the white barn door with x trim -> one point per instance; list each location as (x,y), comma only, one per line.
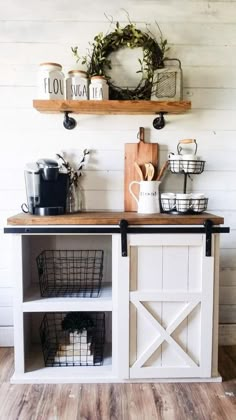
(171,306)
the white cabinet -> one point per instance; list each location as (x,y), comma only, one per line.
(160,304)
(171,294)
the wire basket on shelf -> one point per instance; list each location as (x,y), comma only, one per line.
(62,347)
(184,205)
(70,273)
(167,82)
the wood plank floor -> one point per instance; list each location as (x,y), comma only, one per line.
(120,401)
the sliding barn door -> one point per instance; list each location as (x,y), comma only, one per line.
(170,306)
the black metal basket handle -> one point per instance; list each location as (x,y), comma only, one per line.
(186,141)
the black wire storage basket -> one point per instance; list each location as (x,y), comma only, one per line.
(186,166)
(84,347)
(70,273)
(184,205)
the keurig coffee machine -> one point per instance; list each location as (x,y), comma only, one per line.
(46,188)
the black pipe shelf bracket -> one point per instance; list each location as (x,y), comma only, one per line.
(69,122)
(159,122)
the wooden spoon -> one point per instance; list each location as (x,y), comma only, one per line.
(139,171)
(163,169)
(149,171)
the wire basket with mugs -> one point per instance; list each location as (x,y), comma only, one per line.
(183,203)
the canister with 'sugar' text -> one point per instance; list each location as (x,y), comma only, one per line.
(77,85)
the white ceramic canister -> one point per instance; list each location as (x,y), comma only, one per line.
(50,81)
(98,88)
(77,85)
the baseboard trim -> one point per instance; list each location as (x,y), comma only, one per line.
(6,337)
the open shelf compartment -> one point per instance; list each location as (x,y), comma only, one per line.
(67,269)
(34,363)
(73,338)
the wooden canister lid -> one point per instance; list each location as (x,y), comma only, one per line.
(51,64)
(71,72)
(98,78)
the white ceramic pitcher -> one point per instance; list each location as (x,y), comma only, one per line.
(148,200)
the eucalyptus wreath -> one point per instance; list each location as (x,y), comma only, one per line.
(99,63)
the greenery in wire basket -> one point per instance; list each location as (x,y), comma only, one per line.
(98,61)
(74,174)
(77,322)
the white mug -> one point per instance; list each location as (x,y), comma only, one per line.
(148,200)
(198,202)
(168,201)
(175,163)
(189,163)
(183,202)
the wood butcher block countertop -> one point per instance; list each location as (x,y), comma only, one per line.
(113,218)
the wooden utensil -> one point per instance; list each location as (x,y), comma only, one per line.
(139,171)
(141,153)
(162,171)
(149,171)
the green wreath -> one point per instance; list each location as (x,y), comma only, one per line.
(98,62)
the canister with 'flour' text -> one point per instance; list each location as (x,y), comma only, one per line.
(50,81)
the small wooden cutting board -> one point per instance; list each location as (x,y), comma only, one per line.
(141,153)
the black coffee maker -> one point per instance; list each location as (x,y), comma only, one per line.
(47,186)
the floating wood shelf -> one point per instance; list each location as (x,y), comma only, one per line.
(111,107)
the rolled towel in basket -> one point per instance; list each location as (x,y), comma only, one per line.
(76,346)
(81,359)
(73,352)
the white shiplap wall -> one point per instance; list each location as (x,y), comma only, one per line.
(201,33)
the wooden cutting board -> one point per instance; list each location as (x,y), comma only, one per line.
(142,153)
